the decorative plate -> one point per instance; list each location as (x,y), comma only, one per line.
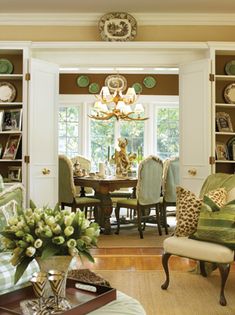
(83,81)
(117,27)
(229,93)
(7,92)
(149,82)
(230,67)
(94,88)
(114,82)
(6,66)
(231,148)
(138,88)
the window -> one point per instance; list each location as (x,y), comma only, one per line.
(102,135)
(133,131)
(167,131)
(80,135)
(68,131)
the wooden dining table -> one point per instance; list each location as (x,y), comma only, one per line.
(102,188)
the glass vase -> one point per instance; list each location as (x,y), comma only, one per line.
(55,263)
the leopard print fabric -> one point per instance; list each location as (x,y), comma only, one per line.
(188,208)
(187,212)
(219,196)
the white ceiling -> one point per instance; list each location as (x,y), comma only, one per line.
(105,6)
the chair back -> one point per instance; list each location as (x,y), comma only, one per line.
(67,189)
(219,180)
(148,190)
(85,164)
(170,179)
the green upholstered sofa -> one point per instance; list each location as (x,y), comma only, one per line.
(10,199)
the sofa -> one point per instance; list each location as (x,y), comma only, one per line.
(10,199)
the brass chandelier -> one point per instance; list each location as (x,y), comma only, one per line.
(122,107)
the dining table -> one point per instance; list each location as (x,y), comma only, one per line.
(103,187)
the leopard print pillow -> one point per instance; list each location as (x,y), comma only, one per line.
(188,208)
(187,212)
(218,196)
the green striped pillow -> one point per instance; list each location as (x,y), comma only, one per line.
(217,226)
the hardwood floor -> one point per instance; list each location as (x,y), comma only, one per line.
(134,259)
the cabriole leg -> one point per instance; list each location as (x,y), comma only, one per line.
(224,272)
(165,258)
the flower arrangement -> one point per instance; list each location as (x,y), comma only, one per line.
(44,232)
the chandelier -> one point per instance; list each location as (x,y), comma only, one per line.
(122,107)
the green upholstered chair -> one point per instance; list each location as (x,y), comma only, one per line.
(67,190)
(148,193)
(169,183)
(204,251)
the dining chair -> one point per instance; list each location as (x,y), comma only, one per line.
(148,193)
(67,190)
(86,165)
(169,182)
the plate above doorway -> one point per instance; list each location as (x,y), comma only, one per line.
(117,27)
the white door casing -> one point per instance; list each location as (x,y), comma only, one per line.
(195,123)
(42,135)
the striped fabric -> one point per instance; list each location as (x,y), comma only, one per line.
(7,272)
(217,227)
(1,184)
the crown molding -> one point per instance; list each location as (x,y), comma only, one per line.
(91,19)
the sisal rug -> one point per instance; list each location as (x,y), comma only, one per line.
(129,237)
(187,294)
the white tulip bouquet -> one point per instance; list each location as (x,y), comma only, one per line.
(44,232)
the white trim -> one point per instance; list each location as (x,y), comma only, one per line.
(86,45)
(91,19)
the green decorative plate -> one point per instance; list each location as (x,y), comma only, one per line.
(94,88)
(138,87)
(6,67)
(149,82)
(83,81)
(230,67)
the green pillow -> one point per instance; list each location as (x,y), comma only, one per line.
(11,199)
(216,225)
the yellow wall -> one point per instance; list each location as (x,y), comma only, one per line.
(145,33)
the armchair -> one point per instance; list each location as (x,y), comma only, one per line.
(204,251)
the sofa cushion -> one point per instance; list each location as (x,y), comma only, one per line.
(188,208)
(7,273)
(218,226)
(11,199)
(186,247)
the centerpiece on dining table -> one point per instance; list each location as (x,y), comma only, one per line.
(122,159)
(49,236)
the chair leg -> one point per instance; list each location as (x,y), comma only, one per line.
(117,215)
(165,258)
(139,216)
(164,216)
(224,272)
(158,219)
(202,268)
